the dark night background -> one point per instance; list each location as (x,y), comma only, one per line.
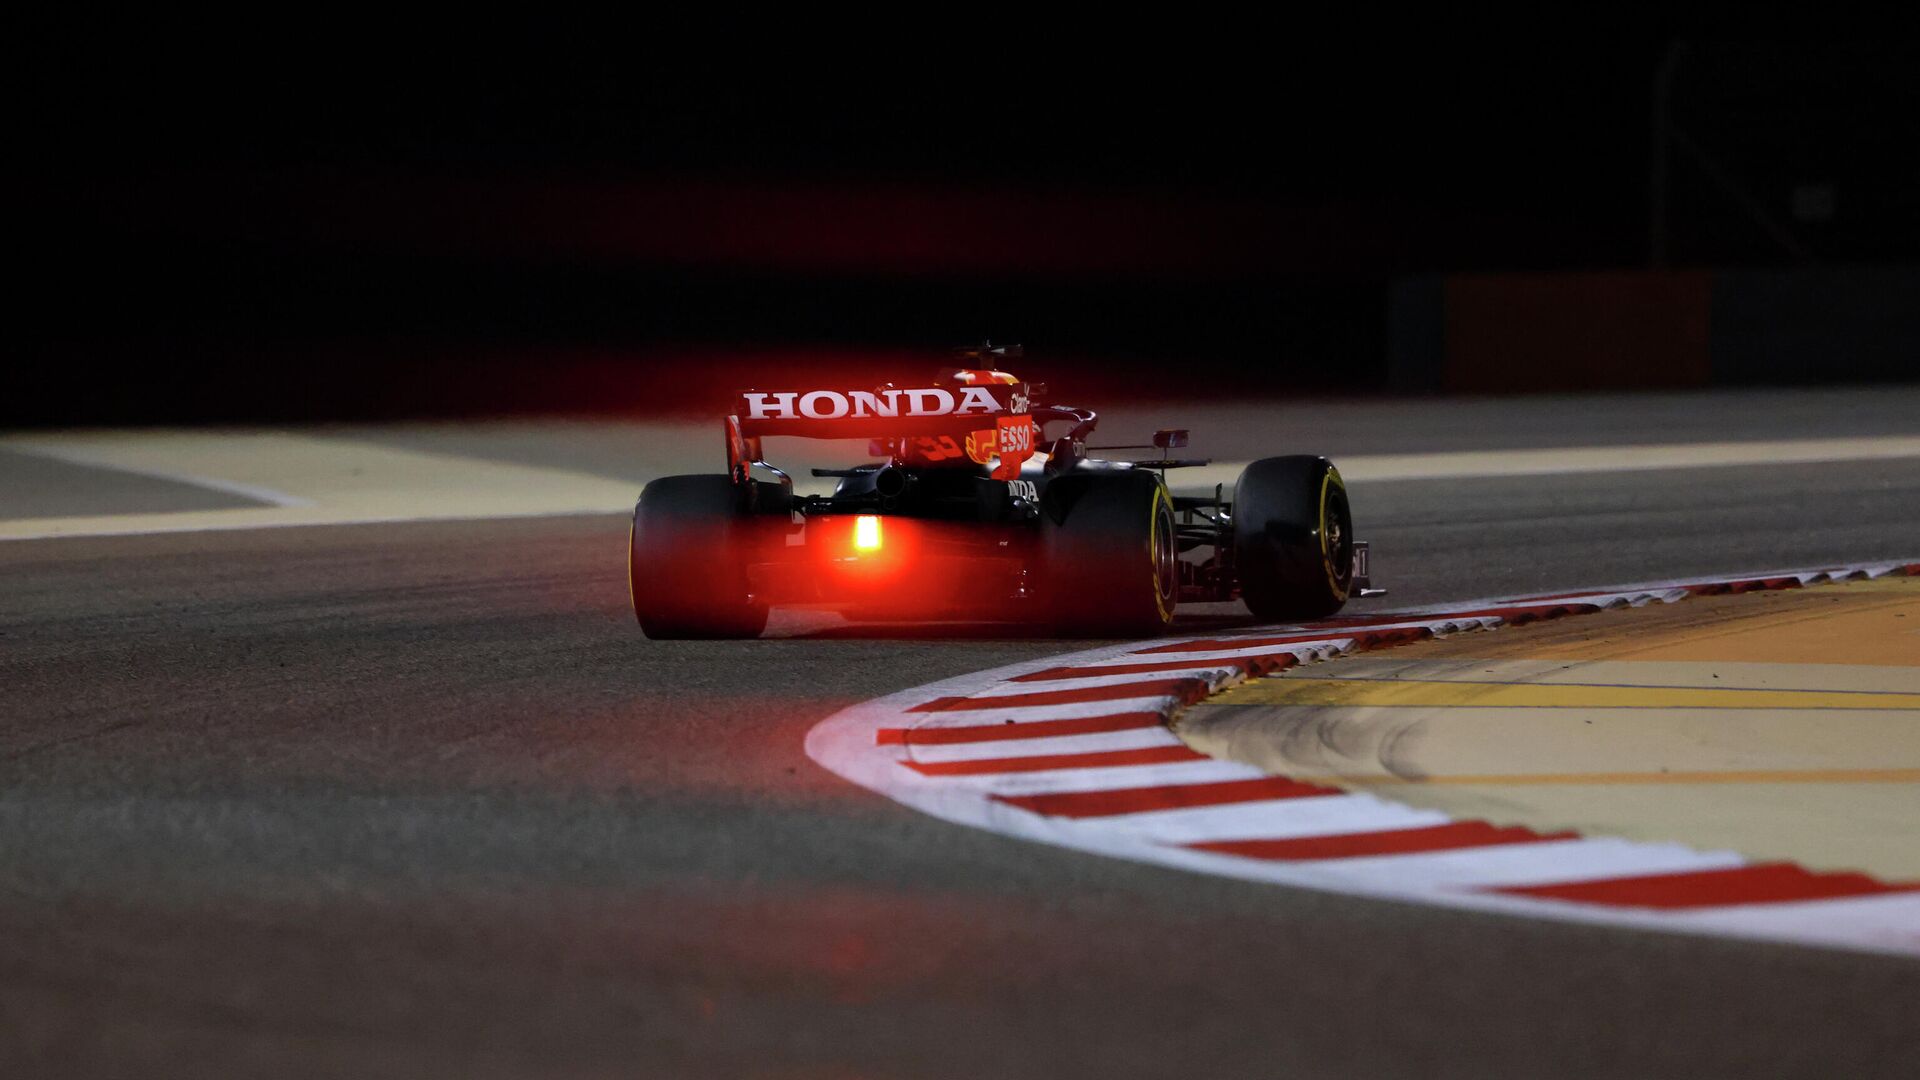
(324,237)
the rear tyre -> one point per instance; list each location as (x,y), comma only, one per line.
(1111,554)
(1292,538)
(692,539)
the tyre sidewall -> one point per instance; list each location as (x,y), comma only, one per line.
(1288,563)
(688,550)
(1107,545)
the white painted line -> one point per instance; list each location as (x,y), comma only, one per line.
(1108,778)
(1559,461)
(1099,742)
(1027,714)
(1721,675)
(91,458)
(1093,682)
(995,714)
(1889,923)
(1583,859)
(309,481)
(1273,819)
(1315,646)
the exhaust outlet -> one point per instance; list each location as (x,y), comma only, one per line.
(890,483)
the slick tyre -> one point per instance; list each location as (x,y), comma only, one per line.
(1111,555)
(1292,538)
(691,541)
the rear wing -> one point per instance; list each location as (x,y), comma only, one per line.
(954,411)
(882,413)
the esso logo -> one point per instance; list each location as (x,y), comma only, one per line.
(1017,437)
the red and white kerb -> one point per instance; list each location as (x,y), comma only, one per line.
(1075,750)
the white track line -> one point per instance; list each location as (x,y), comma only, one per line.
(92,458)
(1271,819)
(1111,778)
(308,480)
(1584,859)
(1561,461)
(1057,746)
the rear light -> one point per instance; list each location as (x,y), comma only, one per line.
(866,533)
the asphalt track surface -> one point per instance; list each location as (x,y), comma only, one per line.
(418,799)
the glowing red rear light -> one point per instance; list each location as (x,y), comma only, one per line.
(866,533)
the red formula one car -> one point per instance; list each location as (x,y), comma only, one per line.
(973,510)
